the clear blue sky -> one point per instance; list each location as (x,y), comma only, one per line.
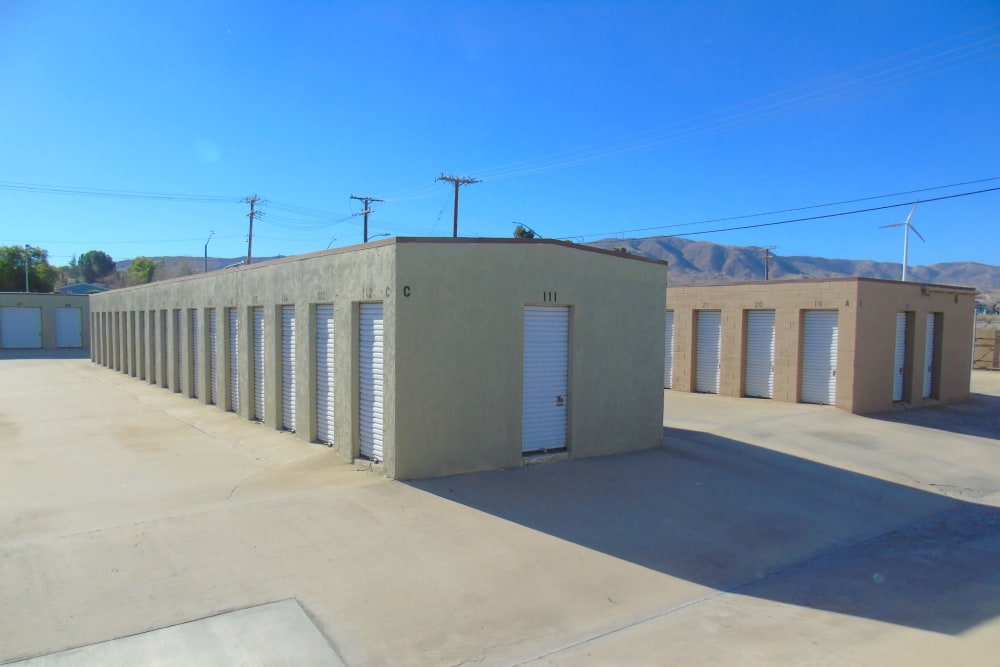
(584,120)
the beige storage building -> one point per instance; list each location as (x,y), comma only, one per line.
(429,356)
(862,344)
(44,321)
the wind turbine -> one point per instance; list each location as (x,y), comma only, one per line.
(906,235)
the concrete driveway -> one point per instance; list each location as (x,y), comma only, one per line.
(762,533)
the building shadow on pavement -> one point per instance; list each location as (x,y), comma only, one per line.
(979,416)
(29,353)
(741,518)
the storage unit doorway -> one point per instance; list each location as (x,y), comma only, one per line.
(69,327)
(931,337)
(258,364)
(708,353)
(288,368)
(370,381)
(234,360)
(324,374)
(21,327)
(213,357)
(546,378)
(819,357)
(758,374)
(899,357)
(668,352)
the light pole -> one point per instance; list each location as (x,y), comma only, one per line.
(206,249)
(375,236)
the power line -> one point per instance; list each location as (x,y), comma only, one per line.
(836,215)
(792,210)
(117,194)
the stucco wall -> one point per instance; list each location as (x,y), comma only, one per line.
(459,350)
(866,334)
(880,302)
(49,304)
(453,332)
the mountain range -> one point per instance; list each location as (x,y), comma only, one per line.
(694,262)
(700,262)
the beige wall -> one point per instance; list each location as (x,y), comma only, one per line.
(459,350)
(866,334)
(453,333)
(49,304)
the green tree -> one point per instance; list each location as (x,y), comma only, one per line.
(95,264)
(522,232)
(140,271)
(41,276)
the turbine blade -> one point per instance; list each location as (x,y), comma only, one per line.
(895,224)
(912,210)
(914,229)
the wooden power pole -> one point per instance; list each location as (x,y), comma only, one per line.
(458,182)
(367,201)
(252,200)
(767,257)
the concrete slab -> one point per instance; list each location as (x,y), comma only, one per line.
(278,633)
(752,537)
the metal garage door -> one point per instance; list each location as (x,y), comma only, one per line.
(152,346)
(21,327)
(258,364)
(370,397)
(668,352)
(930,352)
(164,349)
(899,358)
(819,357)
(213,358)
(178,349)
(69,327)
(546,378)
(195,360)
(288,368)
(324,374)
(709,351)
(234,360)
(759,370)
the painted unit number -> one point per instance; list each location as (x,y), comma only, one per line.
(550,297)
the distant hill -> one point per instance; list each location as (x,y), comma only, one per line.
(693,262)
(175,267)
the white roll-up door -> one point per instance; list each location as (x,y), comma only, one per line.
(234,360)
(759,371)
(709,351)
(69,327)
(213,358)
(668,352)
(164,349)
(819,357)
(546,378)
(178,349)
(324,374)
(152,347)
(20,327)
(288,368)
(899,358)
(930,351)
(258,364)
(195,360)
(370,390)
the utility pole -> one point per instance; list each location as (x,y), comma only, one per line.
(767,256)
(458,182)
(27,261)
(252,200)
(367,201)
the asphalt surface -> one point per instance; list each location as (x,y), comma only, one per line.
(761,533)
